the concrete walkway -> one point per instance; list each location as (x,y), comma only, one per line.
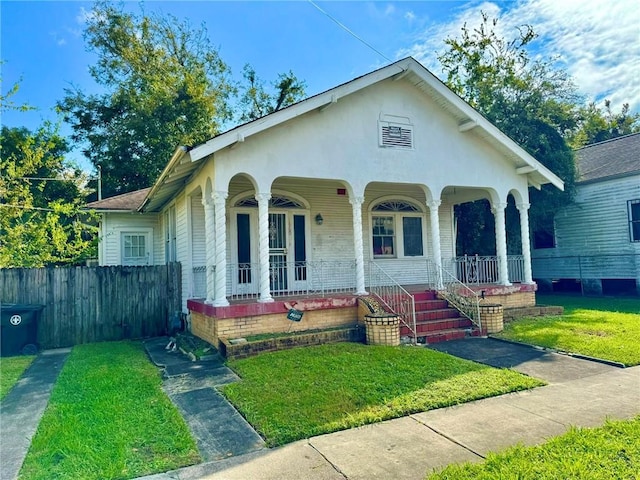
(580,393)
(220,431)
(22,408)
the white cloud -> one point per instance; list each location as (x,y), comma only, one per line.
(596,41)
(410,16)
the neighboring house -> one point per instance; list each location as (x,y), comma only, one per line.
(316,197)
(596,243)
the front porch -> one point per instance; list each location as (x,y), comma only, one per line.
(330,300)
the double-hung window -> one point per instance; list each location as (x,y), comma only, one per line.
(135,248)
(397,230)
(634,220)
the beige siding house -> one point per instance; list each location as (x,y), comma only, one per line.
(596,246)
(335,195)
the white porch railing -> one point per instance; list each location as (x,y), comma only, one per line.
(291,279)
(459,295)
(476,270)
(199,287)
(393,296)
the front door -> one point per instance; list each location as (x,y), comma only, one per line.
(287,252)
(278,252)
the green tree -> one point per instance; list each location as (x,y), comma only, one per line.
(164,85)
(529,100)
(256,102)
(600,124)
(41,221)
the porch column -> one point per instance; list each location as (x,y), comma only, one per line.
(501,242)
(219,206)
(210,247)
(358,245)
(263,246)
(523,208)
(434,216)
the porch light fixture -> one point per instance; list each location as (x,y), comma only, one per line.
(319,219)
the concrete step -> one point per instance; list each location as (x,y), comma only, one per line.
(437,325)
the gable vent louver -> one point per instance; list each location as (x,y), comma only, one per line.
(395,135)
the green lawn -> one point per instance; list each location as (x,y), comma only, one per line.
(108,418)
(298,393)
(601,327)
(608,452)
(11,368)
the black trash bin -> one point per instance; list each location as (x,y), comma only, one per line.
(19,329)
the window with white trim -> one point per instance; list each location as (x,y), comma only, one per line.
(135,248)
(397,230)
(634,220)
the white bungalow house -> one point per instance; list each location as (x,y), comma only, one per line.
(596,241)
(333,197)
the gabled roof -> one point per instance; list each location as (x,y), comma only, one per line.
(183,165)
(612,158)
(127,202)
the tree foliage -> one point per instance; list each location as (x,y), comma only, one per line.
(600,124)
(164,85)
(529,100)
(256,102)
(41,222)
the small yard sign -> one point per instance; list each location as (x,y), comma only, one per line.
(294,315)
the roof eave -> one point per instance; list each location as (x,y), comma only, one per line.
(175,159)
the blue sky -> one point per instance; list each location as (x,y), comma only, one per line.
(597,41)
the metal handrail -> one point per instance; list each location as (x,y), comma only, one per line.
(394,297)
(459,295)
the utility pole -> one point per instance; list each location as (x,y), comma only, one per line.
(99,182)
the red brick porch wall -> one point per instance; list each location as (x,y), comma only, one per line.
(237,321)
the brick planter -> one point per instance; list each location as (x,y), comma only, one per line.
(491,315)
(382,329)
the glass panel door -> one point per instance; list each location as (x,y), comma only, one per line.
(278,252)
(245,277)
(298,277)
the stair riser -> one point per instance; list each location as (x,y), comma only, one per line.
(426,305)
(463,324)
(437,315)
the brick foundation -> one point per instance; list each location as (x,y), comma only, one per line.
(238,321)
(243,350)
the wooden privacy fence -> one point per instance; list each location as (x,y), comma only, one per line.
(96,304)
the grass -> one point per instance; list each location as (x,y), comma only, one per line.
(302,392)
(11,368)
(603,453)
(601,327)
(108,418)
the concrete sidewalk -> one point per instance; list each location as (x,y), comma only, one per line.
(580,393)
(22,408)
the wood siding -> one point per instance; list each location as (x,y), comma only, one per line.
(95,304)
(114,224)
(592,235)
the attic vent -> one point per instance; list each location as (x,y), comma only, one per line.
(396,135)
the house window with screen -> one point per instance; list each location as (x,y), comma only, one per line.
(634,220)
(134,249)
(396,230)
